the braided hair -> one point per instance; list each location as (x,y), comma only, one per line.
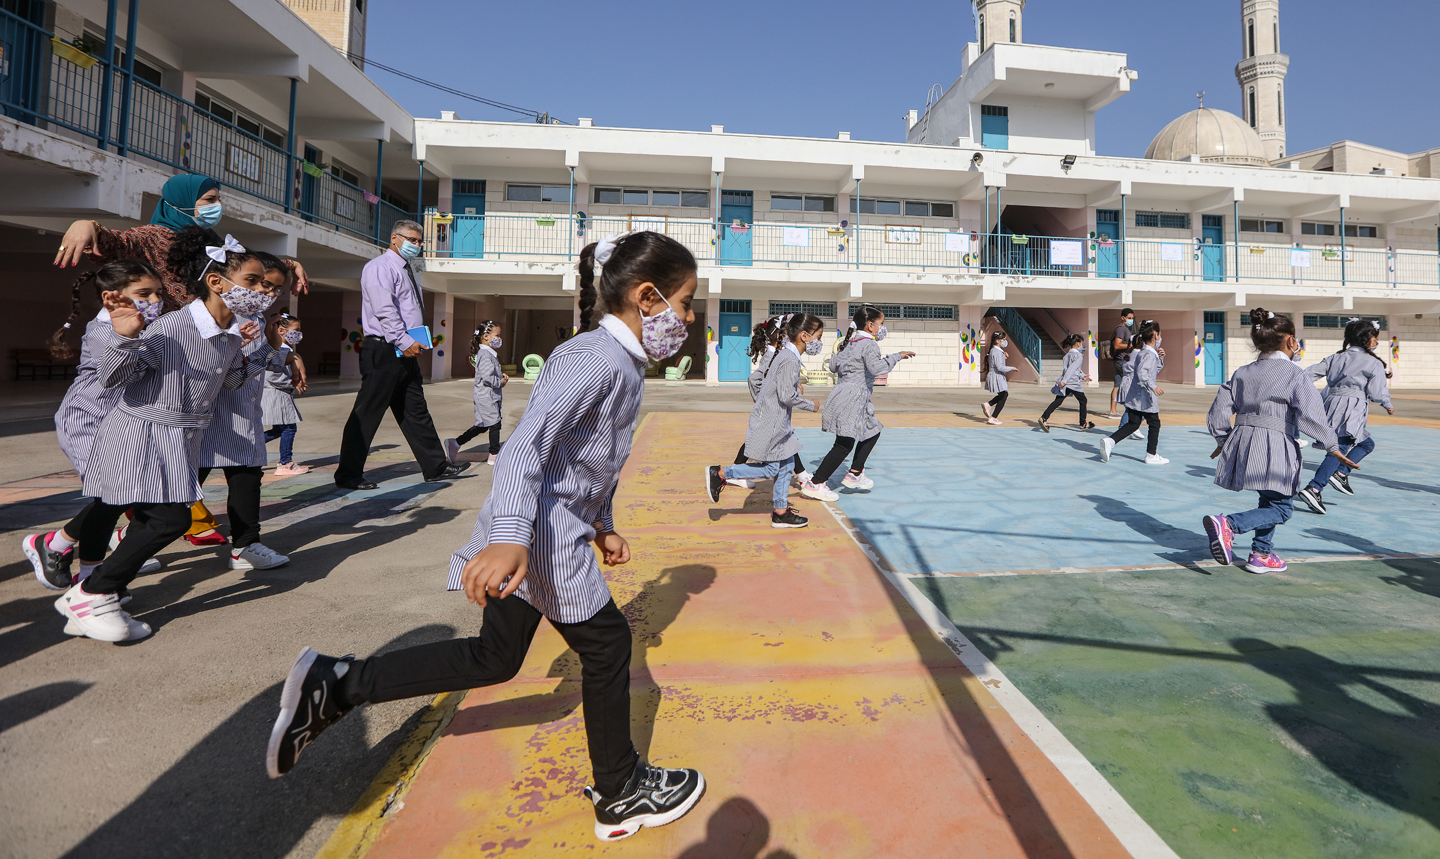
(1359,333)
(639,257)
(480,331)
(863,315)
(110,277)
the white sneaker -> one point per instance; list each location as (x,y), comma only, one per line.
(801,478)
(985,407)
(116,537)
(740,482)
(1155,459)
(818,491)
(98,616)
(151,566)
(1302,443)
(452,449)
(994,422)
(1107,444)
(857,481)
(256,556)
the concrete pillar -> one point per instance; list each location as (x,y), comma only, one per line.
(968,331)
(1297,273)
(1299,320)
(442,308)
(1192,361)
(446,199)
(1390,254)
(350,323)
(1197,230)
(1092,257)
(712,325)
(1092,346)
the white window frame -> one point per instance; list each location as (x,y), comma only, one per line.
(542,186)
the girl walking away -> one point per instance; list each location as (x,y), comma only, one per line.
(849,412)
(1354,378)
(86,403)
(1141,396)
(277,400)
(1266,399)
(769,437)
(148,447)
(765,338)
(235,439)
(997,376)
(1070,384)
(530,556)
(488,382)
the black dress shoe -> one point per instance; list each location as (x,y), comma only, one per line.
(450,470)
(357,483)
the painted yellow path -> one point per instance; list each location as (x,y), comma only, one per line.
(827,718)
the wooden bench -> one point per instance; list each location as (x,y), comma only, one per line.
(329,364)
(35,364)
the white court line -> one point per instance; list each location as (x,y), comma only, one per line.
(1132,568)
(1131,830)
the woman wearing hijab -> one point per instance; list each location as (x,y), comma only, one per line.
(187,200)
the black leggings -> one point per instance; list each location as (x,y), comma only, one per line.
(467,435)
(839,451)
(496,655)
(1132,423)
(91,529)
(1079,398)
(998,402)
(741,459)
(154,527)
(243,505)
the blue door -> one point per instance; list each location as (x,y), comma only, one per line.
(1212,249)
(467,203)
(1107,242)
(994,126)
(1214,347)
(734,340)
(736,242)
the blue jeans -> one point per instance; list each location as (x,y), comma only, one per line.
(1330,465)
(1275,508)
(286,434)
(781,471)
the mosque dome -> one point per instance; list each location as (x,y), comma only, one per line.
(1216,136)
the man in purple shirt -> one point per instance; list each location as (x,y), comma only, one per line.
(391,304)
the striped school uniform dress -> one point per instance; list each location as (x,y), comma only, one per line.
(769,436)
(236,435)
(849,411)
(277,398)
(757,376)
(1353,380)
(148,447)
(560,469)
(487,387)
(87,402)
(1143,370)
(1072,375)
(1268,399)
(997,379)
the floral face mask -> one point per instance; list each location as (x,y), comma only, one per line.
(663,334)
(245,301)
(293,338)
(149,310)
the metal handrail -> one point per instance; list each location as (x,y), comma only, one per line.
(1025,336)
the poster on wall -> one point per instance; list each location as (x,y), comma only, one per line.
(1067,253)
(652,223)
(958,243)
(1299,258)
(902,235)
(344,206)
(1172,253)
(795,237)
(242,162)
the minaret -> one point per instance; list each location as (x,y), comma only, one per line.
(998,21)
(1262,73)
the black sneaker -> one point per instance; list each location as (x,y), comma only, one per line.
(1342,483)
(1312,500)
(1044,425)
(449,470)
(714,482)
(308,705)
(652,797)
(791,518)
(52,569)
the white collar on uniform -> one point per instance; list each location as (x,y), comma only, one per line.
(486,347)
(205,323)
(103,315)
(1270,356)
(791,346)
(861,333)
(622,333)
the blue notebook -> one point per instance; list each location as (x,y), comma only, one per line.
(420,335)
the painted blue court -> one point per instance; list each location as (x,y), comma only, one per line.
(976,500)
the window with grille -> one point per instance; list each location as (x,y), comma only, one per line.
(801,203)
(1254,225)
(822,309)
(909,208)
(469,186)
(1163,220)
(651,197)
(537,193)
(1337,322)
(735,305)
(932,312)
(1354,231)
(1213,316)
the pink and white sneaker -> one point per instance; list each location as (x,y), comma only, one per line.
(857,481)
(1217,528)
(1262,564)
(290,469)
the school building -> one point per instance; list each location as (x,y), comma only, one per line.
(996,210)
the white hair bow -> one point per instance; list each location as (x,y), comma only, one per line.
(217,254)
(1376,323)
(606,247)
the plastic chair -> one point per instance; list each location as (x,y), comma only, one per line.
(531,364)
(677,372)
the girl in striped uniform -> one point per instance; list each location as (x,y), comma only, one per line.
(86,404)
(769,437)
(148,447)
(1070,384)
(1141,395)
(488,382)
(531,557)
(1354,378)
(997,376)
(849,413)
(277,400)
(1266,399)
(769,334)
(235,440)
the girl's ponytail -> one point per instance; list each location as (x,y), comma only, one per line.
(759,339)
(587,285)
(864,315)
(61,348)
(110,277)
(480,331)
(1359,334)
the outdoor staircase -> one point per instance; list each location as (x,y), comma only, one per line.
(1050,351)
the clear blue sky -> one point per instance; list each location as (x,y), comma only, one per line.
(812,69)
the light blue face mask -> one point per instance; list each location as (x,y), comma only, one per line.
(208,216)
(409,250)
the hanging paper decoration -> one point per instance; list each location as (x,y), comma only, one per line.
(1199,350)
(312,169)
(1094,347)
(371,198)
(709,334)
(1395,350)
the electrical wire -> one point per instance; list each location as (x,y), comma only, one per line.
(535,114)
